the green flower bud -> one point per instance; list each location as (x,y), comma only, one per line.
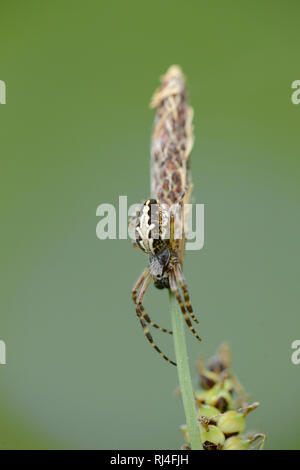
(208,379)
(223,401)
(231,422)
(201,397)
(213,391)
(219,398)
(236,443)
(216,396)
(212,437)
(208,412)
(228,386)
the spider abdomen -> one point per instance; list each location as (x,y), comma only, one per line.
(152,227)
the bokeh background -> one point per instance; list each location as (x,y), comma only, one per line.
(74,134)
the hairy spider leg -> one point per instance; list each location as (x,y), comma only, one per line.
(150,339)
(143,279)
(139,305)
(174,289)
(184,288)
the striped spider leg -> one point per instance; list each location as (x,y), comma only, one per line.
(176,277)
(173,279)
(138,293)
(182,283)
(131,225)
(177,273)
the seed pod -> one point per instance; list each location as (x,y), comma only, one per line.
(212,437)
(209,412)
(219,398)
(208,379)
(236,443)
(231,422)
(201,397)
(223,401)
(228,385)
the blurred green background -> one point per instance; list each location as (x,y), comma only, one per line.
(75,133)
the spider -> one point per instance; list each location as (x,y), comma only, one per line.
(155,235)
(158,231)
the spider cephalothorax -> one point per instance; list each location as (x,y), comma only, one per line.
(156,225)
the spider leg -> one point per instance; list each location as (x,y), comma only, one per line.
(138,284)
(132,224)
(177,238)
(183,199)
(181,242)
(144,280)
(184,288)
(174,289)
(143,283)
(136,246)
(173,241)
(150,339)
(141,307)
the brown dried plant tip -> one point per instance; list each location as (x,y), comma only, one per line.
(157,224)
(223,407)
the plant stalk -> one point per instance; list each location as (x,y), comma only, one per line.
(184,375)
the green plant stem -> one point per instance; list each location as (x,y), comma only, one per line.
(184,374)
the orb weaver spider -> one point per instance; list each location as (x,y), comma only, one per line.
(158,231)
(164,266)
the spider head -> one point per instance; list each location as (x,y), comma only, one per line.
(151,233)
(158,265)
